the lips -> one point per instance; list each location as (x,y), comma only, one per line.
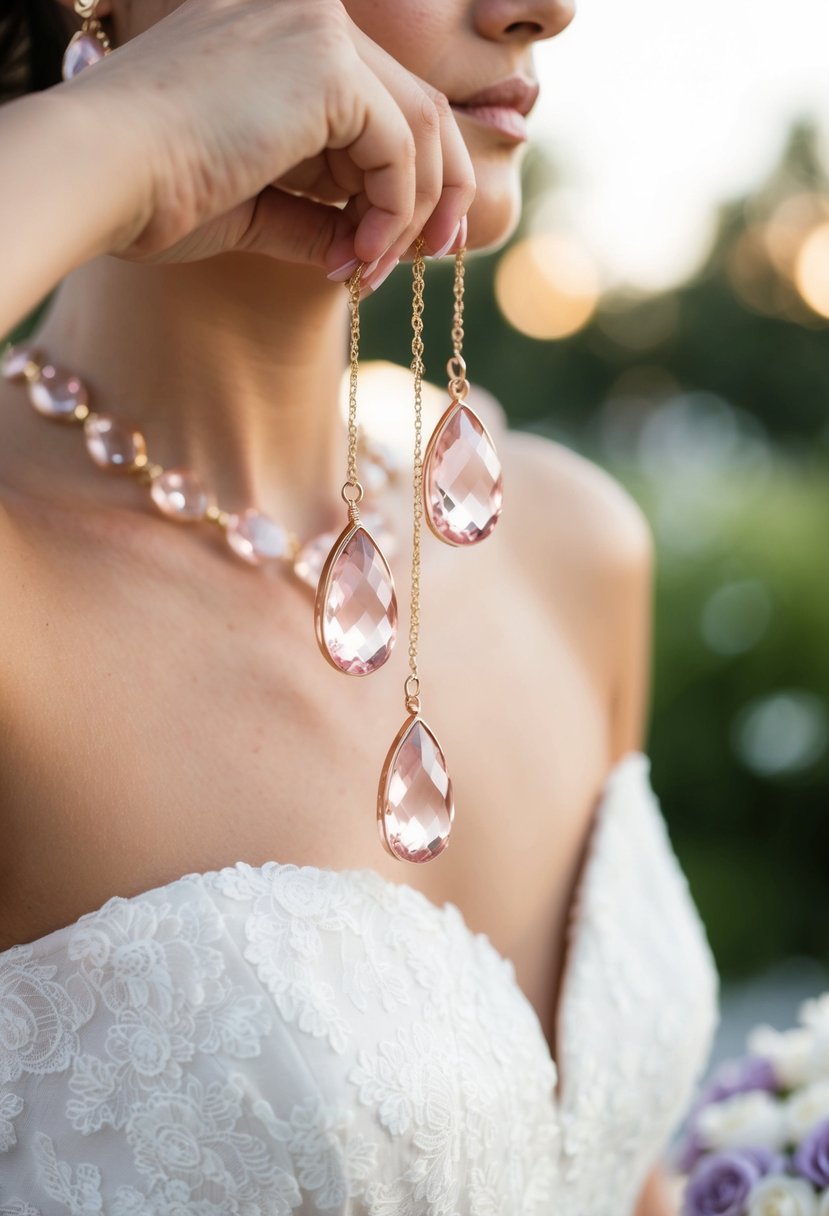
(515,93)
(503,106)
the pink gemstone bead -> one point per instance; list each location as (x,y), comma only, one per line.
(180,494)
(256,538)
(81,53)
(310,560)
(15,361)
(416,806)
(58,394)
(357,608)
(462,480)
(113,443)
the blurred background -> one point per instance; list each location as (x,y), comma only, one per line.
(664,309)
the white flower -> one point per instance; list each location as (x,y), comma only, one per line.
(807,1107)
(789,1052)
(814,1013)
(820,1053)
(779,1195)
(823,1204)
(754,1118)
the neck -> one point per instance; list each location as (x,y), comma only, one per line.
(231,366)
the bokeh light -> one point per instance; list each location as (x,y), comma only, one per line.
(812,270)
(547,286)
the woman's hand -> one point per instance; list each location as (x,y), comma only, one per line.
(278,128)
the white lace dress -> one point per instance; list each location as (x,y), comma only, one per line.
(270,1040)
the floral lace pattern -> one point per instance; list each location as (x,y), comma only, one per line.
(277,1040)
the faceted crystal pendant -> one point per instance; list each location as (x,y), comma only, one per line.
(59,394)
(415,806)
(462,485)
(84,50)
(356,607)
(113,443)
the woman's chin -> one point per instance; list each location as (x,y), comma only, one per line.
(494,215)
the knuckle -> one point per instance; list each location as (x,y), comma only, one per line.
(441,103)
(428,119)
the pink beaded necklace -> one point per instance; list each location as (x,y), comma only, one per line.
(179,494)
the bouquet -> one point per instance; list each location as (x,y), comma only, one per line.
(757,1140)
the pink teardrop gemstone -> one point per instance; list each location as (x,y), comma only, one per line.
(81,53)
(180,494)
(415,807)
(462,480)
(255,537)
(112,443)
(15,361)
(310,560)
(356,611)
(58,394)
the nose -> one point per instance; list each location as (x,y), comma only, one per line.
(523,20)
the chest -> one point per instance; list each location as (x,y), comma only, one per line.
(172,713)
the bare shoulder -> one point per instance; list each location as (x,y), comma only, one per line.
(587,518)
(586,548)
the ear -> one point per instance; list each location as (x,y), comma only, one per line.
(102,9)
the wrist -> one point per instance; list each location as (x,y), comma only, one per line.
(106,151)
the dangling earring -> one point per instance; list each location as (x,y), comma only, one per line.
(88,45)
(415,805)
(355,613)
(462,474)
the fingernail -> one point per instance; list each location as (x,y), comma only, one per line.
(463,233)
(382,278)
(343,272)
(445,248)
(371,267)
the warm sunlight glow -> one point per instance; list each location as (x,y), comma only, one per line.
(812,270)
(547,286)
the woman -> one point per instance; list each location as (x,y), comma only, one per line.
(188,1021)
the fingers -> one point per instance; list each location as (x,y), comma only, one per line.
(384,150)
(294,229)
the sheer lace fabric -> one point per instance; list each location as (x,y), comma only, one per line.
(269,1040)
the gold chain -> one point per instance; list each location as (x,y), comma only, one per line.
(412,686)
(352,490)
(457,325)
(456,367)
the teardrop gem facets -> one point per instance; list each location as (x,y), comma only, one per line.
(84,50)
(462,484)
(356,606)
(415,805)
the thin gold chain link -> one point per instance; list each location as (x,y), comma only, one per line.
(456,367)
(457,326)
(418,275)
(352,482)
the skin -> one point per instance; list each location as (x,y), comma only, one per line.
(164,708)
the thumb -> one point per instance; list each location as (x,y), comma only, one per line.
(295,229)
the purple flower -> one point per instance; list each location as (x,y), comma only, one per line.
(720,1185)
(738,1077)
(732,1077)
(811,1158)
(766,1160)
